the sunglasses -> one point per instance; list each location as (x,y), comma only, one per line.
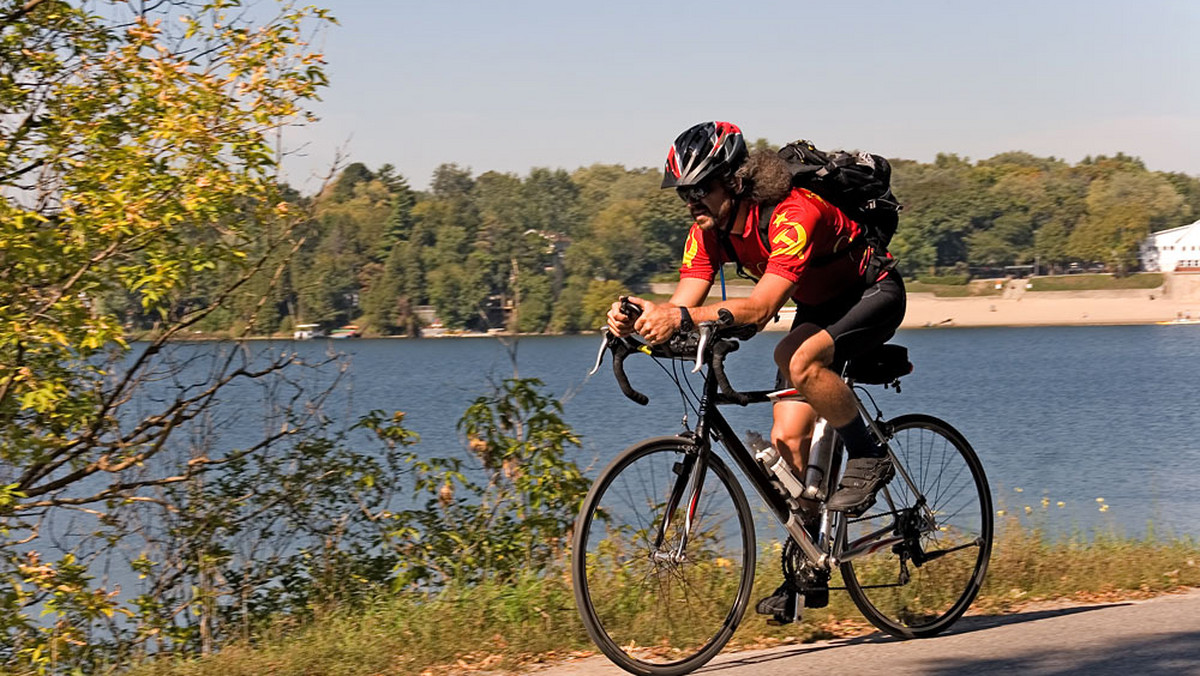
(694,193)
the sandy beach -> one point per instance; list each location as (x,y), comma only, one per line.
(1058,309)
(1179,299)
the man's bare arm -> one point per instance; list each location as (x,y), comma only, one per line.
(691,292)
(659,321)
(769,294)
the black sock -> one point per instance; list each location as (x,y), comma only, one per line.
(860,442)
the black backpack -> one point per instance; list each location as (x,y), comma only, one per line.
(859,185)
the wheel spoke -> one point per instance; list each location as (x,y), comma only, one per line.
(944,470)
(660,614)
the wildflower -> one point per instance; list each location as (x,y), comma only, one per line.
(1061,504)
(1000,512)
(1103,508)
(1099,499)
(1045,503)
(1028,509)
(1019,489)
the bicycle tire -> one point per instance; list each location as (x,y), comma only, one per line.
(625,597)
(947,472)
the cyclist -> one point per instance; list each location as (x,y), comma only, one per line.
(817,258)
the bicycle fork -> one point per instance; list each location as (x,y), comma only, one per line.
(690,474)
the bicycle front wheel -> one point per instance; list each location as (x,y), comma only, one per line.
(943,508)
(652,606)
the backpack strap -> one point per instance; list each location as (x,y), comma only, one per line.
(765,211)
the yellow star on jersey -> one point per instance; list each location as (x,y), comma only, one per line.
(792,237)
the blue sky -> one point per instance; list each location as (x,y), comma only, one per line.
(508,85)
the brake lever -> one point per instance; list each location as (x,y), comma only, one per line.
(705,332)
(724,318)
(606,335)
(605,338)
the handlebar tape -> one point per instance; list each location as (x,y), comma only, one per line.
(718,365)
(620,350)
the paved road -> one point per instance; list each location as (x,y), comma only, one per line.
(1156,636)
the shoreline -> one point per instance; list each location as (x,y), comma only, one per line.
(926,311)
(1046,308)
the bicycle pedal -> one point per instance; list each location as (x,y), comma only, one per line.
(779,620)
(783,608)
(791,612)
(789,615)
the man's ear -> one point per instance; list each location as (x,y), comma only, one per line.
(737,185)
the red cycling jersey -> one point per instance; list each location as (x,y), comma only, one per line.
(803,227)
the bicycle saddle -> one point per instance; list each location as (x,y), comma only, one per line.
(880,366)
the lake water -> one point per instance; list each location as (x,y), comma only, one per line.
(1071,414)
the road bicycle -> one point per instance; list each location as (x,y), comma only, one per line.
(664,544)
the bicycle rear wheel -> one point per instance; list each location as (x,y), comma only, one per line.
(648,608)
(921,586)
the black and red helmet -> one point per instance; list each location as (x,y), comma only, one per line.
(707,149)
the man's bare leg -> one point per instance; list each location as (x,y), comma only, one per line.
(805,355)
(791,434)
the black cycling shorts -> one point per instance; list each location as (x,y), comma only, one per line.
(858,321)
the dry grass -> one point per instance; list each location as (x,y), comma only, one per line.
(501,627)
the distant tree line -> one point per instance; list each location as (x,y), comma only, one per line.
(555,247)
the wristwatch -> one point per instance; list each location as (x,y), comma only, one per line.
(685,320)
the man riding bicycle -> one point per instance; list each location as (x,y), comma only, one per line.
(817,257)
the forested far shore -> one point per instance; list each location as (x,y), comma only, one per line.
(549,251)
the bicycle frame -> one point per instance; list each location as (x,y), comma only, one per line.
(834,550)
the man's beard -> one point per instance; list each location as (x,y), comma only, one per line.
(707,220)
